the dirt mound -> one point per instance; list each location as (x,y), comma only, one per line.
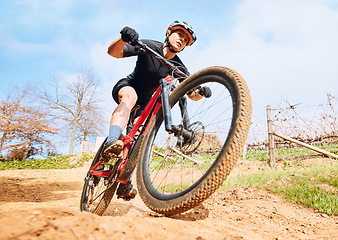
(43,204)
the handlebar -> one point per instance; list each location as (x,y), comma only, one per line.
(143,47)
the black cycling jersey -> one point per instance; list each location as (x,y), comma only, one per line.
(148,70)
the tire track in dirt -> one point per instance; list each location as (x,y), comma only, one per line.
(43,204)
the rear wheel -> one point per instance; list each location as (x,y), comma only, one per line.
(176,172)
(97,191)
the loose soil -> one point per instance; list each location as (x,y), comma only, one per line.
(44,204)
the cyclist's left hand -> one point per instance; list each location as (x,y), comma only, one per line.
(205,91)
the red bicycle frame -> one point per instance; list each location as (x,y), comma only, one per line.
(152,107)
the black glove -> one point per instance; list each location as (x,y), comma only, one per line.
(205,91)
(129,35)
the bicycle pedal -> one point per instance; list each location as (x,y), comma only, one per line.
(131,194)
(104,167)
(107,158)
(126,191)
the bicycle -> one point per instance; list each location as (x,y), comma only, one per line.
(183,150)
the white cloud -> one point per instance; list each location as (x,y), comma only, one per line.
(281,48)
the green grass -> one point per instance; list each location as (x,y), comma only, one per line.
(303,189)
(172,188)
(285,153)
(260,155)
(63,162)
(175,162)
(315,186)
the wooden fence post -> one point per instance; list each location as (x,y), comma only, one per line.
(244,151)
(271,141)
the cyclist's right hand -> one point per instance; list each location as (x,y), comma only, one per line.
(129,35)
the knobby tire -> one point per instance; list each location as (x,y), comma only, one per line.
(170,202)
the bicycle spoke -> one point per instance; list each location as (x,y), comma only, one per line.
(170,160)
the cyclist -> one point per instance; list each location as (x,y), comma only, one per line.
(138,87)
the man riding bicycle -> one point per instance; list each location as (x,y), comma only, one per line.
(138,87)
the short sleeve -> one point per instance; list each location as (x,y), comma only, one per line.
(129,51)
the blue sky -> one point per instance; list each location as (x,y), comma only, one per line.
(284,49)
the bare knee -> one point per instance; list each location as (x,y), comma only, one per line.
(128,96)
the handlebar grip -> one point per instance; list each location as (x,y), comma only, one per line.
(138,43)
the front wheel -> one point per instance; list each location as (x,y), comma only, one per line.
(175,173)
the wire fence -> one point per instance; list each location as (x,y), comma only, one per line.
(316,125)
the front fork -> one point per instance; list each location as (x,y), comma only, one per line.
(166,111)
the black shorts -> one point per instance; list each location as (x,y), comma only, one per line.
(142,99)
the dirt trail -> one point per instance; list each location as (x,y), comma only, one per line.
(43,204)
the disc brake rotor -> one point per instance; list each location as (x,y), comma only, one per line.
(190,145)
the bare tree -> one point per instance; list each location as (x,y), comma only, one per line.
(89,127)
(8,120)
(24,129)
(74,103)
